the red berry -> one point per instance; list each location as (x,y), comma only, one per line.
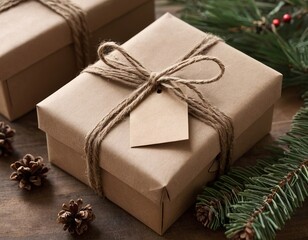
(287,18)
(276,22)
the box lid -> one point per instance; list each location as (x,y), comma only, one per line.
(30,31)
(247,89)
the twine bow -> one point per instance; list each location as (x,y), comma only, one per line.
(132,73)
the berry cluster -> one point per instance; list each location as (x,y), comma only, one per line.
(286,19)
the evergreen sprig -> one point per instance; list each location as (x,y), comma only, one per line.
(273,197)
(270,200)
(215,201)
(247,25)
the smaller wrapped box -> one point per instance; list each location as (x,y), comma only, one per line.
(36,51)
(157,183)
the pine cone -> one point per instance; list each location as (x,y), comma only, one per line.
(204,214)
(6,135)
(75,217)
(29,171)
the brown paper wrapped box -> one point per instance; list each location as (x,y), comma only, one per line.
(36,52)
(157,183)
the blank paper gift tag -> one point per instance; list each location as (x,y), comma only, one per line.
(160,118)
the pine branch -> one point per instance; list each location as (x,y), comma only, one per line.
(284,191)
(215,201)
(247,25)
(272,198)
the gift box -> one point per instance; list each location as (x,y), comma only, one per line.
(37,53)
(157,183)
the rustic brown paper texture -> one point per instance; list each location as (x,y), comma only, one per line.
(160,118)
(48,64)
(246,90)
(28,31)
(162,173)
(158,216)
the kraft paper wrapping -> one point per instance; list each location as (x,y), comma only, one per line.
(32,31)
(34,37)
(159,217)
(246,93)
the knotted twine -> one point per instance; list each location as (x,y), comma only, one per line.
(76,20)
(131,73)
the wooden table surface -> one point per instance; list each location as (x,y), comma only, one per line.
(32,215)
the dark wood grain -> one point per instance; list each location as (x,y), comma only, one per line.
(32,215)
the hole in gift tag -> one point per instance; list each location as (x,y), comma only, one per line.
(159,89)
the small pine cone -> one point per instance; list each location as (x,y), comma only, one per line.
(204,214)
(29,171)
(6,139)
(75,217)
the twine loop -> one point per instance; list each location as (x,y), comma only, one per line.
(133,71)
